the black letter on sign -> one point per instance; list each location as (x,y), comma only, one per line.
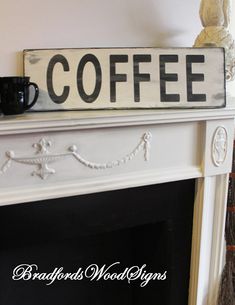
(167,77)
(92,97)
(139,77)
(194,77)
(114,77)
(58,99)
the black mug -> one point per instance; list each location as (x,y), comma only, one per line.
(14,94)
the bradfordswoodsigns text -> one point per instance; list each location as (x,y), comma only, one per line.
(93,272)
(127,78)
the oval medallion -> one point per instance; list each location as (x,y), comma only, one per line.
(219,146)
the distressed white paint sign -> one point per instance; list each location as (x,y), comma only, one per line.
(127,78)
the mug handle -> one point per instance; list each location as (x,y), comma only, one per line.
(35,95)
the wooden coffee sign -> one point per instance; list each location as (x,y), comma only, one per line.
(127,78)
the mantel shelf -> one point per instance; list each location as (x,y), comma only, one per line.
(69,120)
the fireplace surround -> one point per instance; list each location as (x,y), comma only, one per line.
(53,155)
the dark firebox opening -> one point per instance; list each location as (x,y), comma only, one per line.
(149,225)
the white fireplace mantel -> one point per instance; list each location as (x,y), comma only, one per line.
(51,155)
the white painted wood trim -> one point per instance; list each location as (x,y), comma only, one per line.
(102,184)
(187,133)
(208,240)
(218,238)
(74,120)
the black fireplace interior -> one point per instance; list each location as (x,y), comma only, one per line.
(149,225)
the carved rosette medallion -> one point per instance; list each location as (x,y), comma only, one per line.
(219,146)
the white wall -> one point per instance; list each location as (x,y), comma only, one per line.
(28,24)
